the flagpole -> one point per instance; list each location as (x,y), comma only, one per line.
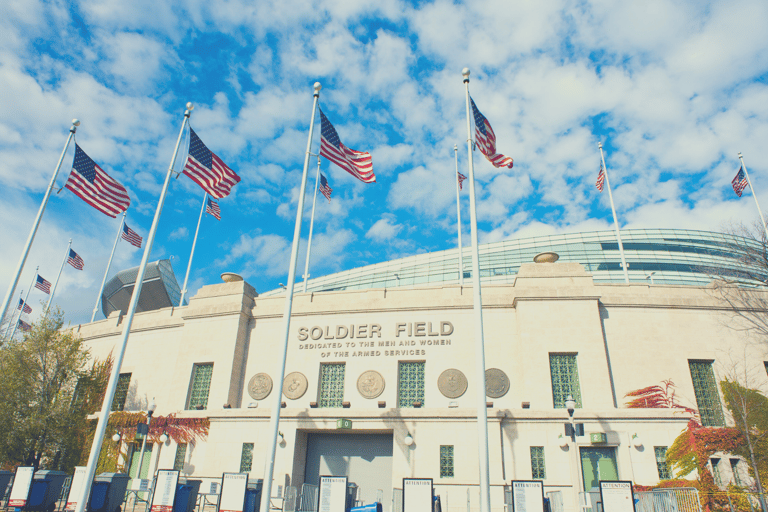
(16,324)
(482,409)
(615,218)
(109,264)
(56,282)
(311,225)
(274,420)
(458,216)
(192,254)
(741,159)
(36,223)
(109,394)
(13,313)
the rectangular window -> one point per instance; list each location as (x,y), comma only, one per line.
(121,392)
(246,458)
(538,469)
(181,454)
(201,385)
(565,379)
(446,461)
(716,472)
(707,397)
(661,462)
(735,471)
(331,385)
(410,384)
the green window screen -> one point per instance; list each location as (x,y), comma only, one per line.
(565,379)
(707,398)
(538,470)
(246,458)
(121,392)
(735,471)
(181,453)
(446,461)
(201,385)
(331,385)
(410,384)
(661,462)
(716,472)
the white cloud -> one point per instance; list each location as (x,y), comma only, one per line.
(384,229)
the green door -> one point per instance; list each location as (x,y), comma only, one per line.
(135,461)
(598,464)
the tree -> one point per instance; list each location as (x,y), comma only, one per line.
(41,424)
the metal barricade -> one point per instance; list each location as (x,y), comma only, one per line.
(290,499)
(678,499)
(397,500)
(555,501)
(308,498)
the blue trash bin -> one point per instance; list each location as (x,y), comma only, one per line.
(371,507)
(47,488)
(252,499)
(99,495)
(114,485)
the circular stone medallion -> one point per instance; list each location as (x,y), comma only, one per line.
(370,384)
(260,386)
(496,383)
(452,383)
(294,385)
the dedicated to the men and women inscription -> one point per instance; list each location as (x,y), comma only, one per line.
(366,340)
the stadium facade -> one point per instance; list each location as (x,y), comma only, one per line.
(395,357)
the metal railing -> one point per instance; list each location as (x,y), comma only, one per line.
(307,501)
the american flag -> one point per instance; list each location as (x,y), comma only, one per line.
(600,179)
(461,180)
(42,284)
(486,139)
(24,326)
(356,163)
(96,187)
(213,208)
(325,189)
(131,236)
(75,260)
(24,307)
(740,182)
(208,170)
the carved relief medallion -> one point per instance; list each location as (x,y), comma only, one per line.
(452,383)
(294,385)
(496,383)
(370,384)
(260,386)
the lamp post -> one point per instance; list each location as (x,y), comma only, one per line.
(570,406)
(572,430)
(150,412)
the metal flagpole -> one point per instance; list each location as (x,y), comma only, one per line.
(25,252)
(311,225)
(13,314)
(615,218)
(482,411)
(458,216)
(16,324)
(56,282)
(274,419)
(741,159)
(192,254)
(109,394)
(109,264)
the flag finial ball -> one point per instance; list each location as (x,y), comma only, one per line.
(465,73)
(75,122)
(317,86)
(600,145)
(190,106)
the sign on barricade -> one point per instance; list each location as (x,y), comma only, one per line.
(232,497)
(527,495)
(333,494)
(20,489)
(164,491)
(418,494)
(617,496)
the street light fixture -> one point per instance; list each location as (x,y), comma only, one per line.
(150,412)
(572,429)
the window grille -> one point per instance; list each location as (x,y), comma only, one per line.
(735,470)
(446,461)
(661,462)
(707,397)
(410,384)
(538,470)
(246,458)
(716,472)
(565,379)
(181,454)
(331,385)
(201,385)
(121,391)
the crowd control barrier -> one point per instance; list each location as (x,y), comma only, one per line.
(371,507)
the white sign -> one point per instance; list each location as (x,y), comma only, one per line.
(165,491)
(527,495)
(20,489)
(417,494)
(233,486)
(76,488)
(617,496)
(333,494)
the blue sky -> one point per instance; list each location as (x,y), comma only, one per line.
(673,89)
